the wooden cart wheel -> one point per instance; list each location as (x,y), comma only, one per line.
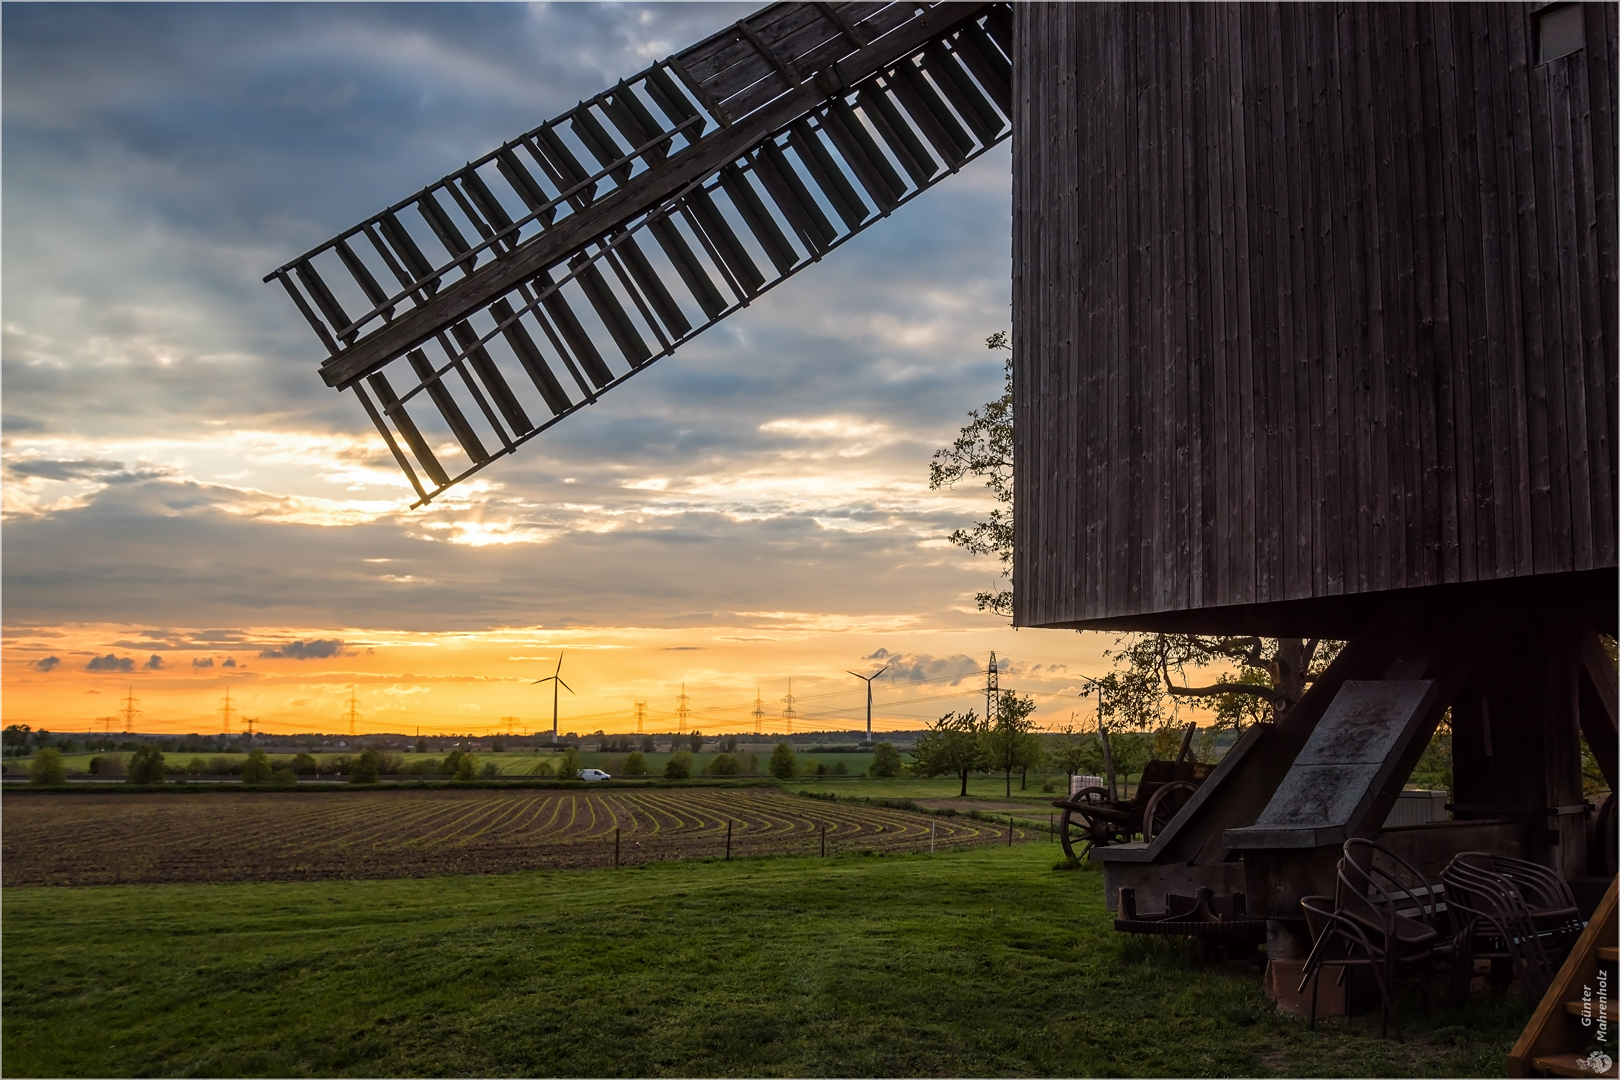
(1074,829)
(1164,805)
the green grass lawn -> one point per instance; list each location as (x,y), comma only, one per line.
(983,962)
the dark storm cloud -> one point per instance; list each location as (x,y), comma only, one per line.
(46,663)
(110,663)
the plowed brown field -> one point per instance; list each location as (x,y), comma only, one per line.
(106,838)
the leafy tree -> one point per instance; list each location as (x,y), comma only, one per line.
(954,744)
(695,741)
(649,745)
(635,764)
(885,760)
(497,745)
(840,768)
(784,765)
(452,762)
(1150,669)
(47,768)
(196,767)
(256,769)
(15,738)
(568,766)
(1007,743)
(490,770)
(724,765)
(365,768)
(679,765)
(543,769)
(466,768)
(283,777)
(146,766)
(304,765)
(421,746)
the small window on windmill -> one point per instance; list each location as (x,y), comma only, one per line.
(1560,30)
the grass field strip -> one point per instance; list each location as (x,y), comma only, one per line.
(111,837)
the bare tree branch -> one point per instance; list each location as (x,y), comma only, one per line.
(1264,692)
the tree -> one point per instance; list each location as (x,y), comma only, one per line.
(784,765)
(47,768)
(724,765)
(256,769)
(15,738)
(452,762)
(366,767)
(984,450)
(304,765)
(466,769)
(954,744)
(1007,743)
(679,765)
(568,765)
(146,766)
(497,745)
(649,745)
(1271,674)
(695,741)
(885,760)
(283,777)
(635,764)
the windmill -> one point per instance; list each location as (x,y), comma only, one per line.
(868,680)
(1305,387)
(555,679)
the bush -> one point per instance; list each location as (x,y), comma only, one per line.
(425,767)
(196,766)
(491,770)
(724,765)
(452,762)
(568,767)
(146,766)
(364,768)
(679,765)
(222,766)
(283,777)
(304,765)
(885,760)
(840,769)
(256,769)
(635,764)
(813,768)
(107,765)
(47,768)
(543,769)
(466,769)
(783,765)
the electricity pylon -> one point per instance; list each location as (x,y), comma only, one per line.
(682,712)
(226,710)
(555,679)
(787,711)
(353,715)
(250,721)
(641,716)
(759,713)
(992,688)
(129,712)
(868,680)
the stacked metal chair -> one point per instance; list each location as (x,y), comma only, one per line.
(1509,910)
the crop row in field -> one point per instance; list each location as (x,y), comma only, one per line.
(106,838)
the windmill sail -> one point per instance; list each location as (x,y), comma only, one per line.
(523,286)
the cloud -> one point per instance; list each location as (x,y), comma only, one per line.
(203,662)
(155,663)
(110,663)
(47,663)
(230,661)
(314,649)
(920,667)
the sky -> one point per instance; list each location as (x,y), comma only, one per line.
(189,511)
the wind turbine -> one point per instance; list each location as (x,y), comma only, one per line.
(867,679)
(555,679)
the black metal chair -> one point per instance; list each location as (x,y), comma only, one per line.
(1397,910)
(1511,911)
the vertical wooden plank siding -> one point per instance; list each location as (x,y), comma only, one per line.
(1308,301)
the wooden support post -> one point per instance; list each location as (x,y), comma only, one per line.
(824,841)
(1108,760)
(615,847)
(1009,830)
(931,826)
(728,841)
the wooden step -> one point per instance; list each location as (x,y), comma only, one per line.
(1568,1065)
(1577,1007)
(1609,952)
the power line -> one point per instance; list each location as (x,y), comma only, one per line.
(226,710)
(129,712)
(682,712)
(353,715)
(787,713)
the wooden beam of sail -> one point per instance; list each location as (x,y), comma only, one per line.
(523,286)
